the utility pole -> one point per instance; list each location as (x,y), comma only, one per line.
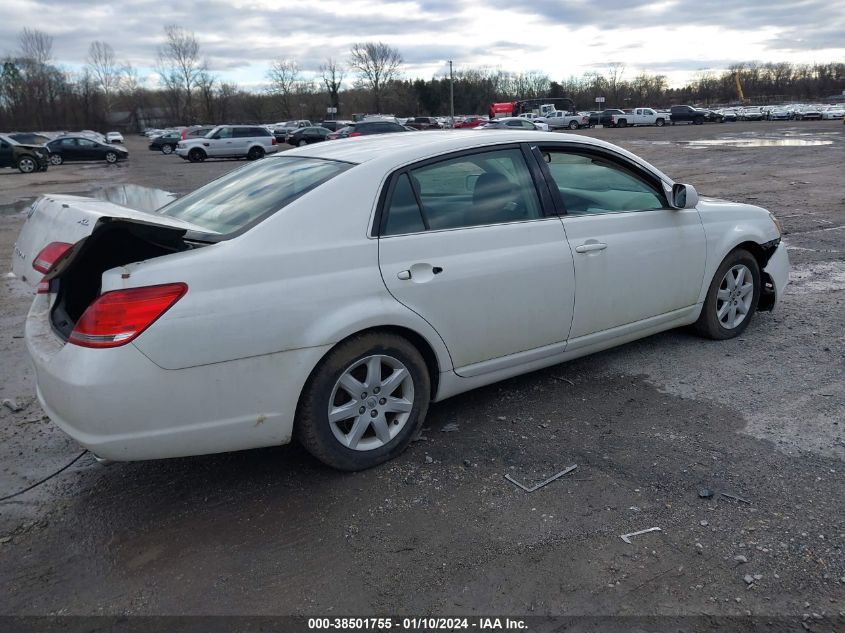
(451,95)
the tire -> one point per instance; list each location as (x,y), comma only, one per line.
(167,149)
(337,443)
(622,123)
(573,125)
(27,165)
(302,143)
(111,157)
(255,153)
(660,122)
(712,324)
(196,155)
(698,120)
(56,159)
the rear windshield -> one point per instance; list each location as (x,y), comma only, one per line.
(248,195)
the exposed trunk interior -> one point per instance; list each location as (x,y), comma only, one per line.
(114,242)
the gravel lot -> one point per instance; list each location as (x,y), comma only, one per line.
(439,530)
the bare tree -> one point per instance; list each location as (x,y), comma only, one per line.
(332,73)
(377,65)
(284,79)
(206,83)
(179,66)
(105,72)
(36,46)
(614,78)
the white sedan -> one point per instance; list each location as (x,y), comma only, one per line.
(332,292)
(114,137)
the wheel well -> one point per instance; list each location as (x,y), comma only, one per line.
(762,255)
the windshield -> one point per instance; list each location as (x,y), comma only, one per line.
(252,193)
(8,139)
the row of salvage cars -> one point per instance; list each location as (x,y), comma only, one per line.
(31,152)
(332,292)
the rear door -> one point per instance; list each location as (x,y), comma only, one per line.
(6,159)
(466,244)
(635,257)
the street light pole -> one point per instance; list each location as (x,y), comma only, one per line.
(451,95)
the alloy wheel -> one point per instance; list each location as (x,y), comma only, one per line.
(734,297)
(26,165)
(371,402)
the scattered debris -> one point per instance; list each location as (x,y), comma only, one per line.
(542,483)
(12,405)
(9,275)
(749,579)
(449,428)
(705,493)
(429,459)
(627,537)
(566,380)
(5,539)
(740,558)
(730,496)
(703,523)
(502,418)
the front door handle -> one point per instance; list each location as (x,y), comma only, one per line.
(590,246)
(404,275)
(419,273)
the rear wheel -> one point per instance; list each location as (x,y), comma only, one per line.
(573,125)
(302,142)
(255,153)
(166,149)
(731,298)
(698,120)
(27,165)
(622,123)
(56,159)
(660,122)
(364,402)
(196,155)
(111,157)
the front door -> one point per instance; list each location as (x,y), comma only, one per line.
(6,159)
(635,257)
(464,243)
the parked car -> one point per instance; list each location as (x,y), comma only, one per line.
(24,157)
(229,141)
(470,122)
(367,128)
(728,114)
(29,138)
(809,113)
(833,112)
(114,137)
(280,131)
(779,114)
(424,123)
(78,148)
(231,319)
(196,132)
(751,114)
(605,117)
(688,114)
(510,123)
(535,119)
(334,126)
(166,143)
(307,135)
(639,117)
(558,120)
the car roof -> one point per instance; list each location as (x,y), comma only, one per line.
(399,148)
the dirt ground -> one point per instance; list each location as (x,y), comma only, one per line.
(439,530)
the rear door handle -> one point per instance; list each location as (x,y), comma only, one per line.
(419,273)
(590,246)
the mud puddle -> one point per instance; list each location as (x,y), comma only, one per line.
(128,195)
(755,142)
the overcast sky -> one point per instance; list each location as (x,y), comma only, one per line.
(559,37)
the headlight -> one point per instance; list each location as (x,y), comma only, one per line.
(777,223)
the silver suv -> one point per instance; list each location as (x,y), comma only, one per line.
(229,141)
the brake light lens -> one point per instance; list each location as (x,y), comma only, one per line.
(274,141)
(49,255)
(118,317)
(356,134)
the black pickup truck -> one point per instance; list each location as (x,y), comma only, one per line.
(688,114)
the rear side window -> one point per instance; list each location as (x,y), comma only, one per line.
(478,189)
(248,195)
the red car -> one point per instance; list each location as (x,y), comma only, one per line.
(470,122)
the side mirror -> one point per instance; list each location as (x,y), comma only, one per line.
(684,196)
(469,181)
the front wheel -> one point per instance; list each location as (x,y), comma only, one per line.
(731,298)
(111,157)
(27,165)
(364,402)
(573,125)
(622,123)
(196,156)
(166,149)
(698,121)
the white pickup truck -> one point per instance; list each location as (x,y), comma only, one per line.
(639,116)
(558,119)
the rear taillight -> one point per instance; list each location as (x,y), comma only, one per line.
(117,317)
(355,134)
(49,255)
(274,140)
(43,288)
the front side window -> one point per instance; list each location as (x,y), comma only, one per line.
(223,132)
(479,189)
(592,184)
(248,195)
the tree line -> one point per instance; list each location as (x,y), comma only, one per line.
(38,94)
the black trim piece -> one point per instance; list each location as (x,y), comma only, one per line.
(551,185)
(541,184)
(417,196)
